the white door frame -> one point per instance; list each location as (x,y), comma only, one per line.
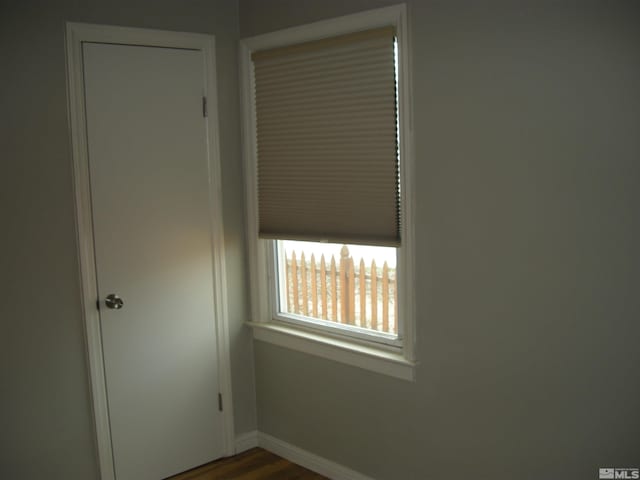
(76,34)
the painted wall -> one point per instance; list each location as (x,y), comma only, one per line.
(45,409)
(527,135)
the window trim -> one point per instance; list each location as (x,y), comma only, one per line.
(391,360)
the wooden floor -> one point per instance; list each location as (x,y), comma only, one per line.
(254,464)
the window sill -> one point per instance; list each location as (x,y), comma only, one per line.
(340,350)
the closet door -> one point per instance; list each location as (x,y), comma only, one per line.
(147,146)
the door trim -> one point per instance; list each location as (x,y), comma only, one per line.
(76,34)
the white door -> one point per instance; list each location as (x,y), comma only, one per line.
(147,147)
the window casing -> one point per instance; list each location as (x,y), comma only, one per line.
(389,352)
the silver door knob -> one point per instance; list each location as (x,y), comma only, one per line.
(113,301)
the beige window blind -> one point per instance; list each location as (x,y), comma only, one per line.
(327,140)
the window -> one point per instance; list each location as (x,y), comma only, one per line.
(328,165)
(347,289)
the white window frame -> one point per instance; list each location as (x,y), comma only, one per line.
(395,358)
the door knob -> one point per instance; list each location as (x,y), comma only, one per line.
(113,301)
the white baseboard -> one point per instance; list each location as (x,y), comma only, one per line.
(246,441)
(307,459)
(332,470)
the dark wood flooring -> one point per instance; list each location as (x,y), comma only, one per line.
(254,464)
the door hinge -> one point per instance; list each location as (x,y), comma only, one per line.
(220,401)
(205,113)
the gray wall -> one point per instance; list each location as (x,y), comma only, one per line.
(45,408)
(527,118)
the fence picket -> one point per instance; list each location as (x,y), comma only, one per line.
(323,286)
(344,253)
(294,281)
(287,282)
(385,297)
(314,288)
(303,285)
(363,295)
(374,296)
(351,273)
(334,291)
(395,303)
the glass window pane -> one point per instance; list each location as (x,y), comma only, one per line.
(351,285)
